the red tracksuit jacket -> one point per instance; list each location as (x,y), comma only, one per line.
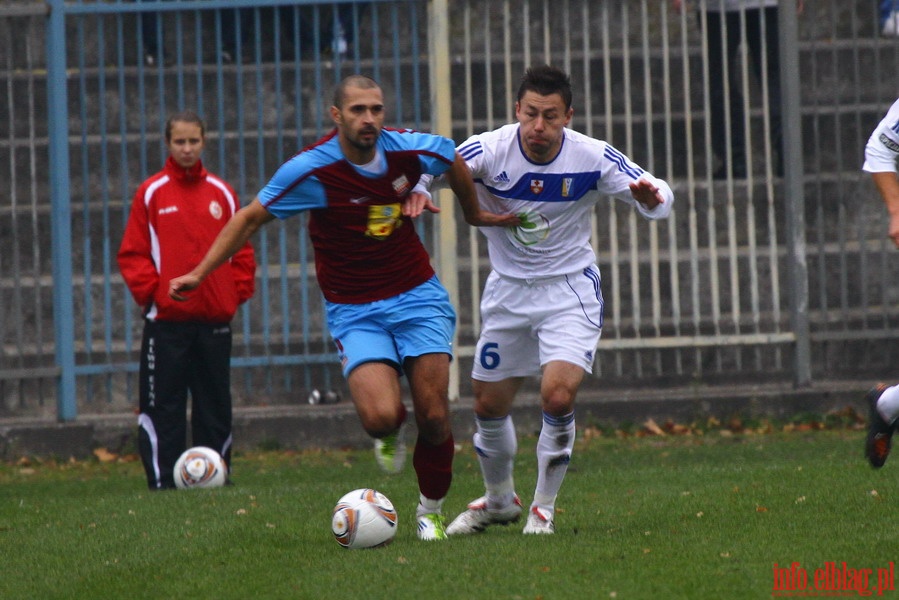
(175,216)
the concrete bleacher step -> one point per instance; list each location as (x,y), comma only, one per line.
(272,108)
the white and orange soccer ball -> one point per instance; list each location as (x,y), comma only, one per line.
(364,518)
(200,467)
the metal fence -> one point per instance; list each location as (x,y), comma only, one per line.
(763,276)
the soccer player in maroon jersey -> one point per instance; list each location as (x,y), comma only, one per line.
(388,313)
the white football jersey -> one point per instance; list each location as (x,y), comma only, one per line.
(883,145)
(554,200)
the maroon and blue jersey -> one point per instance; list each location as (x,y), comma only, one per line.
(365,249)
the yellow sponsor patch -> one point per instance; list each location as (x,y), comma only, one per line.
(383,219)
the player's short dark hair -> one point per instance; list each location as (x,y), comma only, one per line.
(546,80)
(360,81)
(185,116)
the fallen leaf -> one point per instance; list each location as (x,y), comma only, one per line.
(104,455)
(677,429)
(652,427)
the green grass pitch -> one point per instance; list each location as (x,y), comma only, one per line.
(689,516)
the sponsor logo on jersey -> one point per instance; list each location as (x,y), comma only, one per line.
(566,186)
(502,178)
(536,185)
(215,209)
(361,200)
(168,210)
(890,144)
(383,219)
(534,229)
(401,185)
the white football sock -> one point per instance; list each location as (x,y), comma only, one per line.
(496,444)
(428,506)
(888,404)
(553,455)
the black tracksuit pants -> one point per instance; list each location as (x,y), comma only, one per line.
(177,358)
(721,60)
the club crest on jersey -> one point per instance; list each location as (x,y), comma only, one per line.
(215,209)
(566,186)
(536,185)
(401,185)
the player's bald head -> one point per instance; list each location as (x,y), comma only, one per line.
(357,81)
(546,80)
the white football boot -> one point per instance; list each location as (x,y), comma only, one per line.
(540,522)
(390,451)
(478,516)
(431,527)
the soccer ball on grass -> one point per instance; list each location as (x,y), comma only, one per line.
(364,518)
(200,467)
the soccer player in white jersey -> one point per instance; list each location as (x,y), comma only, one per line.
(542,304)
(881,153)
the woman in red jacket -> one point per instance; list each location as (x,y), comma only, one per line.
(175,216)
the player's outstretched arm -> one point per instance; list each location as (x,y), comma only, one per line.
(418,202)
(888,186)
(653,195)
(420,199)
(460,181)
(232,237)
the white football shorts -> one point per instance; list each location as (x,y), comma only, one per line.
(528,323)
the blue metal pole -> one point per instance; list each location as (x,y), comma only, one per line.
(60,219)
(797,253)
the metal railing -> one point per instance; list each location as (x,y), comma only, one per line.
(716,292)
